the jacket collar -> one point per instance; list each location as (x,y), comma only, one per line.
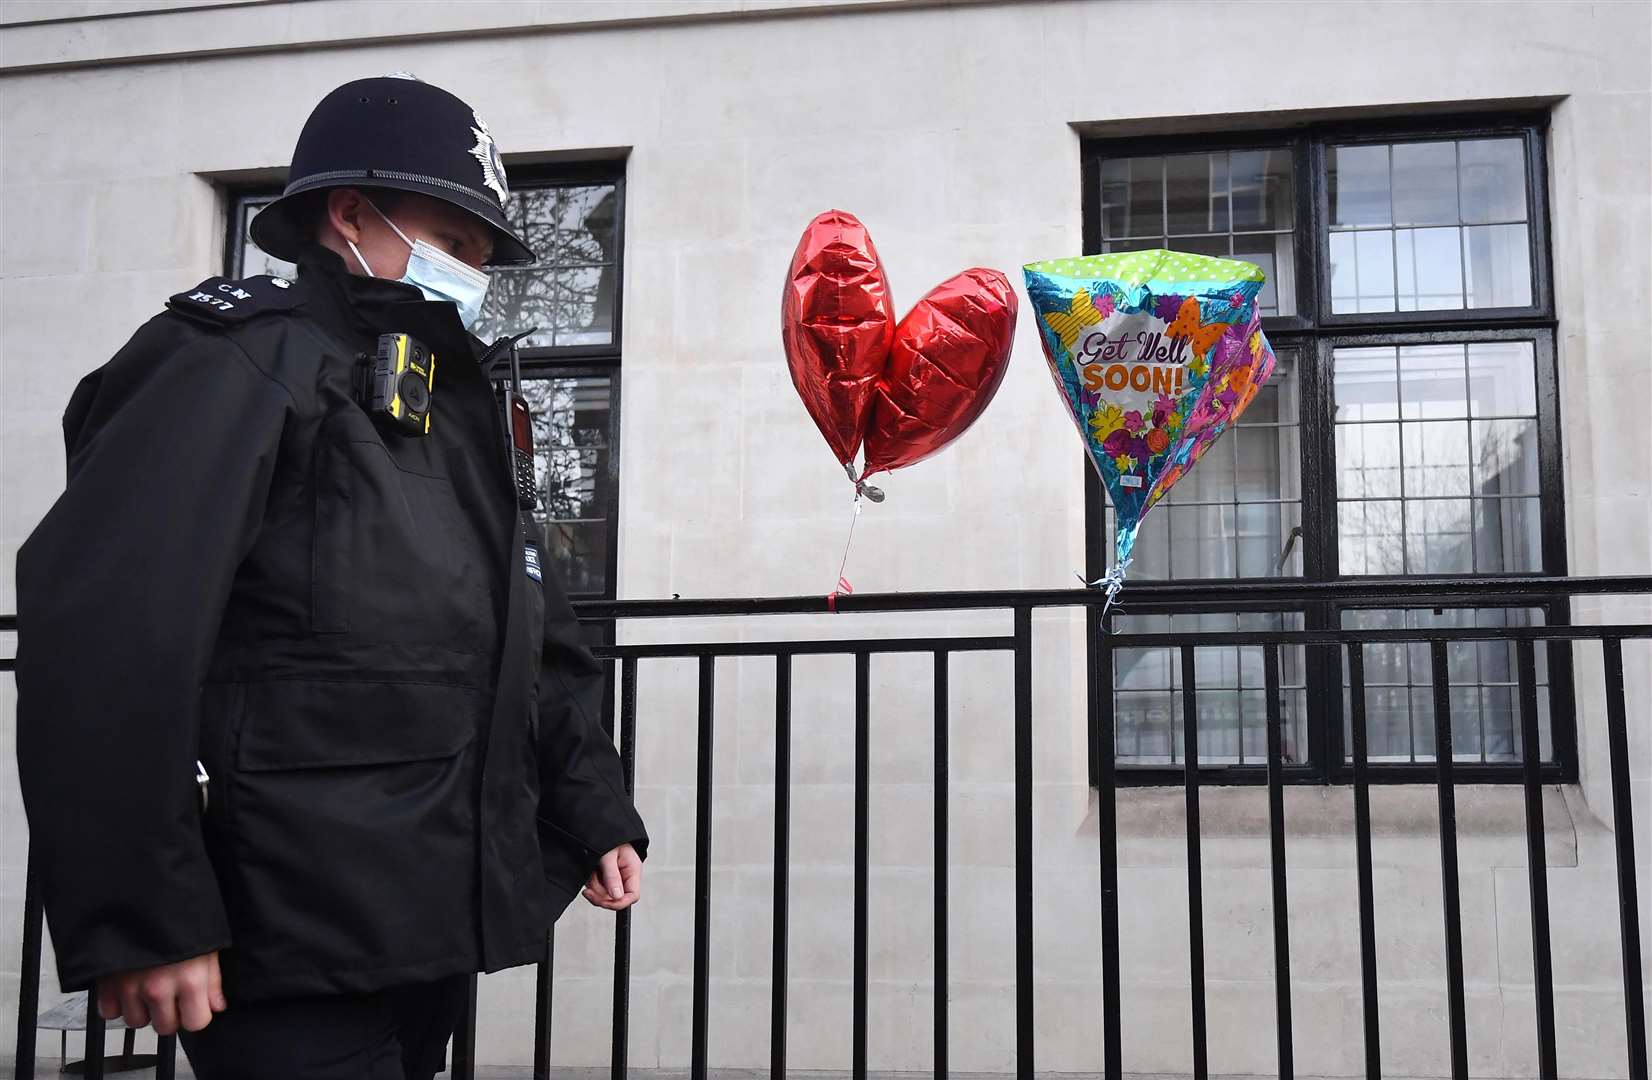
(365,307)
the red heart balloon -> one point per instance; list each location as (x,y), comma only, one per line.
(837,326)
(948,358)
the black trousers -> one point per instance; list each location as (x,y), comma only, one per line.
(399,1033)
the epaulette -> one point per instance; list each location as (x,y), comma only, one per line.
(221,302)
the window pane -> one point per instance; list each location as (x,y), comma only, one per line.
(1493,179)
(1272,252)
(1369,537)
(1146,243)
(572,425)
(1262,197)
(569,292)
(250,259)
(1439,536)
(1362,271)
(1502,379)
(1425,183)
(1368,461)
(1270,539)
(1202,245)
(1432,382)
(1367,387)
(1132,197)
(1267,460)
(1458,235)
(1209,480)
(1429,263)
(1505,457)
(1436,456)
(1499,266)
(1358,177)
(1507,538)
(1196,193)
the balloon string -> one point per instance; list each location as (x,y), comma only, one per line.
(843,587)
(1112,581)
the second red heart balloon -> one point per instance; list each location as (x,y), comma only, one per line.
(948,358)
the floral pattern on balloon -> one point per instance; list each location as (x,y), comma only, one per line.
(1155,354)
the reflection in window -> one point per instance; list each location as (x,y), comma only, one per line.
(1484,701)
(1436,459)
(569,292)
(1429,226)
(1237,203)
(572,450)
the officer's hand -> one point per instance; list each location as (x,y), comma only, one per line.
(184,994)
(617,882)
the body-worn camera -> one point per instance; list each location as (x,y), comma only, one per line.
(398,381)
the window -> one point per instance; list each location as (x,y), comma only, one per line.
(572,218)
(1409,429)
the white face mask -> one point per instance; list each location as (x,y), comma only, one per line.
(437,274)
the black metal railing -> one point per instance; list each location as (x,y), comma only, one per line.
(1143,598)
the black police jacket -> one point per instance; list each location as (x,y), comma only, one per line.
(408,776)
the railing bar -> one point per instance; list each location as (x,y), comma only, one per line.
(1024,1038)
(942,859)
(93,1055)
(1449,883)
(782,862)
(1537,867)
(543,999)
(1099,700)
(1195,874)
(1623,836)
(166,1057)
(1362,849)
(702,872)
(28,987)
(1276,840)
(863,741)
(464,1037)
(619,1063)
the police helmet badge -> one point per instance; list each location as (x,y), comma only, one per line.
(486,152)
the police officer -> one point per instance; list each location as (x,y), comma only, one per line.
(306,731)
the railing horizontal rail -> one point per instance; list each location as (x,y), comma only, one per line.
(1149,597)
(845,646)
(1368,637)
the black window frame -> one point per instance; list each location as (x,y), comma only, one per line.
(1313,331)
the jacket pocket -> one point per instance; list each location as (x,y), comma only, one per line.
(389,556)
(354,830)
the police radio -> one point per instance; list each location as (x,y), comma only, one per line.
(519,430)
(397,383)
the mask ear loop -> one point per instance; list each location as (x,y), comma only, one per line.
(357,253)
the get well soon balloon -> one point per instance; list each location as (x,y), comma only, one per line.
(1156,354)
(837,326)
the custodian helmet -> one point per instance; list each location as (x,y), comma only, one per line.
(392,132)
